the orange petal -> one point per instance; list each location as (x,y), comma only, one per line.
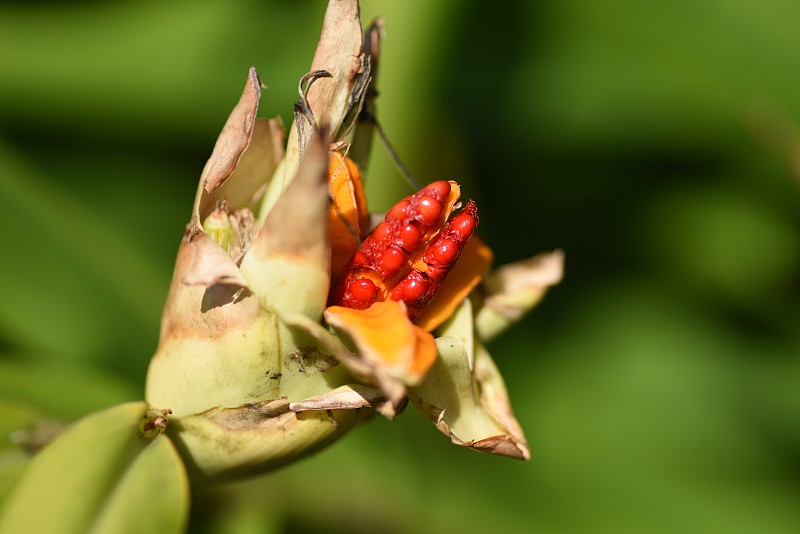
(471,266)
(452,198)
(358,191)
(348,211)
(387,340)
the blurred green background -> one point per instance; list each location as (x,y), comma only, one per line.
(659,385)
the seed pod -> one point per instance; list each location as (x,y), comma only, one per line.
(408,255)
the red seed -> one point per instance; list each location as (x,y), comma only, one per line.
(428,210)
(440,189)
(385,256)
(437,274)
(361,293)
(443,252)
(463,224)
(360,258)
(409,237)
(399,210)
(392,260)
(383,232)
(412,288)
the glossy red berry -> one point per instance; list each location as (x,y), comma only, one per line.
(464,224)
(444,252)
(428,210)
(360,258)
(383,232)
(398,211)
(361,293)
(411,289)
(409,237)
(440,189)
(392,260)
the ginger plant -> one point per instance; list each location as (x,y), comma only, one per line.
(294,314)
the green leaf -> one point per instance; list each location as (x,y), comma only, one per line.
(100,475)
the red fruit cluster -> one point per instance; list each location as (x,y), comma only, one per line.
(409,254)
